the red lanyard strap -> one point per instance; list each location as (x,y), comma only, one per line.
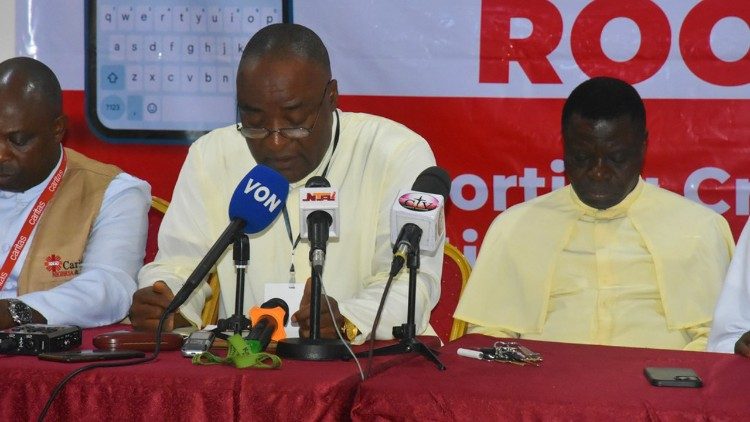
(31,220)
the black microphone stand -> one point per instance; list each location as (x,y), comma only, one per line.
(241,253)
(314,347)
(407,333)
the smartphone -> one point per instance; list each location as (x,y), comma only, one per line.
(144,341)
(163,72)
(673,377)
(90,355)
(197,342)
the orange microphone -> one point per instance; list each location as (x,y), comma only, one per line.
(267,323)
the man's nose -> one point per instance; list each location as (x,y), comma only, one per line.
(600,169)
(4,150)
(275,140)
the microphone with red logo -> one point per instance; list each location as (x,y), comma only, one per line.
(417,223)
(268,321)
(319,217)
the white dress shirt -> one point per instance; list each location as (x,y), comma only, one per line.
(732,314)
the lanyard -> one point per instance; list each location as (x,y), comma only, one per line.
(295,242)
(30,223)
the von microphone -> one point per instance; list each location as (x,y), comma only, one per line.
(268,323)
(417,222)
(319,217)
(255,204)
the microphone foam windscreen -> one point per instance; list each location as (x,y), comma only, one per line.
(433,180)
(277,302)
(317,182)
(259,198)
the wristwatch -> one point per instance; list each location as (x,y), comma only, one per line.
(349,330)
(19,311)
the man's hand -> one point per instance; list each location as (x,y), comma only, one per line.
(328,328)
(742,347)
(149,304)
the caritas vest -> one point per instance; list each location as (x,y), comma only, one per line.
(56,253)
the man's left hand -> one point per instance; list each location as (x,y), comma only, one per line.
(328,328)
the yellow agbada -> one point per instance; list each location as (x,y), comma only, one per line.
(643,273)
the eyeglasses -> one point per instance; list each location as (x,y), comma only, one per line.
(259,133)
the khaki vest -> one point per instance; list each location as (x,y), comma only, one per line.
(56,253)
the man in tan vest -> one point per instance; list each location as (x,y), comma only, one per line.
(72,230)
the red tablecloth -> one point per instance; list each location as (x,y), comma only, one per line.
(172,388)
(575,382)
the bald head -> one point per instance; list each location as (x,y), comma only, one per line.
(32,82)
(31,123)
(285,40)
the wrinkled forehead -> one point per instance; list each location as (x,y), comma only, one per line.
(271,63)
(268,74)
(618,131)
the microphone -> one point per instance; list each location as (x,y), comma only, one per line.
(319,217)
(268,323)
(417,216)
(257,201)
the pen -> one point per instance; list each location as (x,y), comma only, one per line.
(469,353)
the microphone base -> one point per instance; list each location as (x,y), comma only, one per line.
(309,349)
(408,345)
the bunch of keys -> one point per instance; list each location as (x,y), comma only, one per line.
(501,351)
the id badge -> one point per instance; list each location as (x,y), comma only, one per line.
(292,295)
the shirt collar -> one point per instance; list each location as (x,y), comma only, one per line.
(616,211)
(33,191)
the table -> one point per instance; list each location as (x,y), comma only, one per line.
(172,388)
(575,382)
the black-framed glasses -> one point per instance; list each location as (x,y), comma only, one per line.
(260,133)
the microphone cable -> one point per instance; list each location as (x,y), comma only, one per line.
(336,325)
(375,323)
(58,388)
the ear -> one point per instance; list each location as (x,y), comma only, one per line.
(333,96)
(59,127)
(645,143)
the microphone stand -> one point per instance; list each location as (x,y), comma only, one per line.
(407,333)
(241,253)
(314,347)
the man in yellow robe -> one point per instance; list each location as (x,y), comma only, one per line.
(608,259)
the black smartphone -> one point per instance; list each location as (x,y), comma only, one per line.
(673,377)
(91,355)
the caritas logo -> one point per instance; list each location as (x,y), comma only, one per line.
(53,263)
(60,267)
(421,202)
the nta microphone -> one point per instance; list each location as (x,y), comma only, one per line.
(256,202)
(268,323)
(417,216)
(319,217)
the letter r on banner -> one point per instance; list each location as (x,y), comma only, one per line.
(497,49)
